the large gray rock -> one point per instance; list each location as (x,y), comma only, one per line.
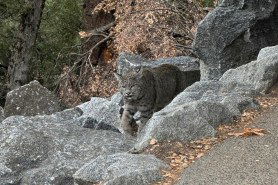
(49,149)
(197,112)
(1,114)
(31,99)
(184,122)
(260,75)
(233,34)
(121,169)
(127,62)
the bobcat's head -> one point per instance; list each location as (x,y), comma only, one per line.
(131,85)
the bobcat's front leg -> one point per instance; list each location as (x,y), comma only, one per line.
(145,115)
(127,119)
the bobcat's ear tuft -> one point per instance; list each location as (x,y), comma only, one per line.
(118,77)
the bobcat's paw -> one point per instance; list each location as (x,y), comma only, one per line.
(134,150)
(128,131)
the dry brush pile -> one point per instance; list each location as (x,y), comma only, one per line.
(151,28)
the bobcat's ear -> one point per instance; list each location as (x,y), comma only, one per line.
(118,77)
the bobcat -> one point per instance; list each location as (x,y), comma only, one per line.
(150,90)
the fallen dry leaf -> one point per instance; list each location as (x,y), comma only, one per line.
(153,142)
(200,155)
(249,132)
(84,34)
(177,160)
(207,147)
(169,175)
(191,157)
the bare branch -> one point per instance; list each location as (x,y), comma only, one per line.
(151,10)
(183,46)
(101,42)
(97,31)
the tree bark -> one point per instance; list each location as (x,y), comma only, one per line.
(30,20)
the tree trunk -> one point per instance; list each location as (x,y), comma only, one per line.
(18,69)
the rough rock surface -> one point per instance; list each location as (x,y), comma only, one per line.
(268,52)
(129,62)
(237,103)
(121,169)
(260,75)
(1,114)
(100,111)
(31,99)
(49,149)
(117,98)
(233,34)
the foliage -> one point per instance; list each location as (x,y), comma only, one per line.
(58,37)
(14,8)
(9,18)
(209,3)
(10,14)
(6,37)
(58,33)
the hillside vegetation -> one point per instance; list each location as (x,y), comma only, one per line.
(77,65)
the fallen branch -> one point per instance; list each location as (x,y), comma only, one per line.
(101,42)
(185,47)
(151,10)
(97,31)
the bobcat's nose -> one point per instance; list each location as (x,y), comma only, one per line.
(128,93)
